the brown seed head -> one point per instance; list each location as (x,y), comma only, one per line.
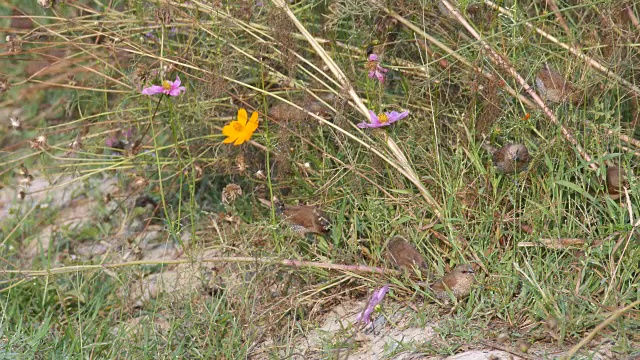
(404,255)
(241,164)
(230,193)
(4,85)
(163,14)
(14,43)
(46,3)
(15,123)
(39,142)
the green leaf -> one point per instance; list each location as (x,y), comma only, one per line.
(576,188)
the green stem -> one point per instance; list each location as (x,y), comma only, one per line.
(139,141)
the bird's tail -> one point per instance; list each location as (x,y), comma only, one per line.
(277,204)
(490,149)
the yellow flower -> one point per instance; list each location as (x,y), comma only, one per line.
(239,131)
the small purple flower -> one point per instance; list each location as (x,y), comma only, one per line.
(384,119)
(129,134)
(171,88)
(375,70)
(376,298)
(111,141)
(151,35)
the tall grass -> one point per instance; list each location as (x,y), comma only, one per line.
(98,174)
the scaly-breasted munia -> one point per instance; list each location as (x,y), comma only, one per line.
(304,219)
(458,281)
(511,158)
(615,181)
(404,255)
(554,88)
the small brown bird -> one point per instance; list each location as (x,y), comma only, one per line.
(511,158)
(286,112)
(554,88)
(458,281)
(616,180)
(304,219)
(551,326)
(404,255)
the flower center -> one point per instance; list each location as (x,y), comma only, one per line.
(166,85)
(237,126)
(383,118)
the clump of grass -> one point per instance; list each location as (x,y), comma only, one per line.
(140,165)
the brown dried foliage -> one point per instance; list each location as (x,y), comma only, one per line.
(490,103)
(282,33)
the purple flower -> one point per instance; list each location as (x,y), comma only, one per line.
(375,299)
(384,119)
(110,141)
(129,134)
(171,88)
(375,70)
(151,35)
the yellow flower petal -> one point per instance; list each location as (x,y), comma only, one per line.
(240,130)
(242,116)
(253,123)
(229,130)
(241,139)
(247,136)
(229,140)
(233,131)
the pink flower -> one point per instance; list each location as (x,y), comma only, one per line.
(384,119)
(376,298)
(375,70)
(171,88)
